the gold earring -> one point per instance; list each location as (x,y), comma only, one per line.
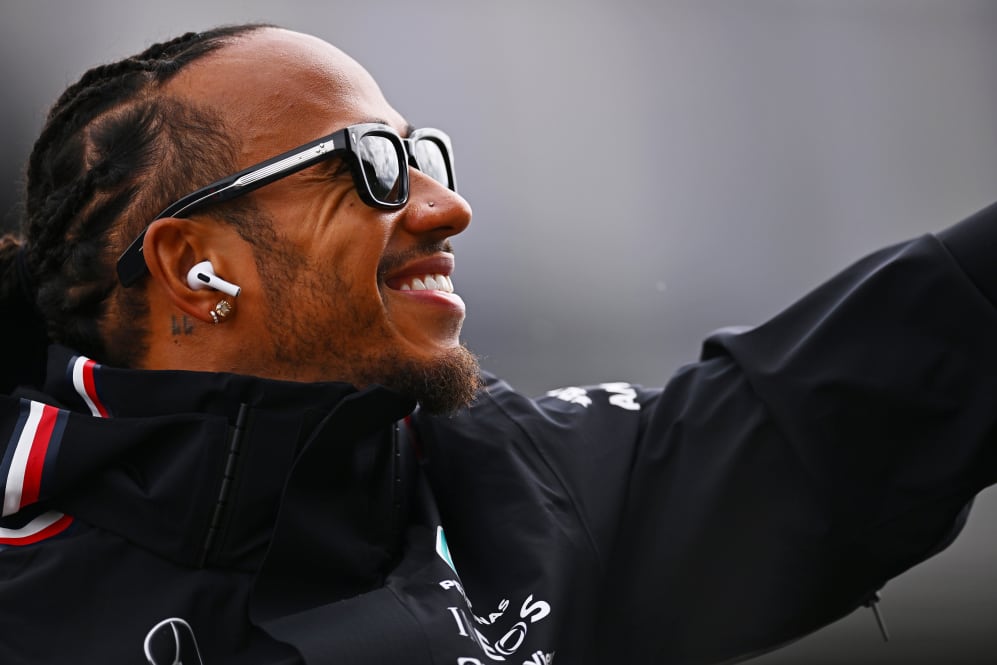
(222,310)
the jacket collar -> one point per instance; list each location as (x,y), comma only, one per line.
(198,467)
(88,387)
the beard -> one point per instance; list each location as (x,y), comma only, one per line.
(441,386)
(337,341)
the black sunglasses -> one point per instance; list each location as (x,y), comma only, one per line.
(376,155)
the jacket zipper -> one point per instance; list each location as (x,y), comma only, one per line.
(235,445)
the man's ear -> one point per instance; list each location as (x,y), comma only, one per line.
(171,247)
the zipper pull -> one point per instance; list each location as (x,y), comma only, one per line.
(873,603)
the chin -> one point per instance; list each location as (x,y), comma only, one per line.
(442,384)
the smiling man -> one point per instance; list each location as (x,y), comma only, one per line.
(240,426)
(335,286)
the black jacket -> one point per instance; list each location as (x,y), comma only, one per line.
(769,489)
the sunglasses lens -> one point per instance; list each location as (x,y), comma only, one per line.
(430,159)
(381,168)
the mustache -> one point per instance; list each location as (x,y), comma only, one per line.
(391,262)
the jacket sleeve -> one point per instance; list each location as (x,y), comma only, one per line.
(797,467)
(774,485)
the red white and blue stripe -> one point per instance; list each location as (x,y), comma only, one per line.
(29,457)
(46,525)
(82,371)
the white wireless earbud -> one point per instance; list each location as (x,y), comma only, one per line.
(203,276)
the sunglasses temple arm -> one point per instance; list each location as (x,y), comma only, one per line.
(131,266)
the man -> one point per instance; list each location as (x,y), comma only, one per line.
(240,250)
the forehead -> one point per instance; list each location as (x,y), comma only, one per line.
(277,89)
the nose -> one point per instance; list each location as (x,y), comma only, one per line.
(433,208)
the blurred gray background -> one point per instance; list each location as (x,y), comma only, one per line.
(714,160)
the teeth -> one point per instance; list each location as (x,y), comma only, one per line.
(428,283)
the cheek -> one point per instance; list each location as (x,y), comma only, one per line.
(353,251)
(343,277)
(338,240)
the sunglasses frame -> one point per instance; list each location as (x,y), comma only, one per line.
(131,265)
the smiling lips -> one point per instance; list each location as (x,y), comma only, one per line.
(427,282)
(430,274)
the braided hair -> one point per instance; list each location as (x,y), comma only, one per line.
(114,151)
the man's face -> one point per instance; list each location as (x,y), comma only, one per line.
(339,292)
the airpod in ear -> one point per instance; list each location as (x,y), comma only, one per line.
(203,276)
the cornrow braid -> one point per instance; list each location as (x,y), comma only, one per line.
(114,151)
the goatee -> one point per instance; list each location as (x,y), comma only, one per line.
(441,386)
